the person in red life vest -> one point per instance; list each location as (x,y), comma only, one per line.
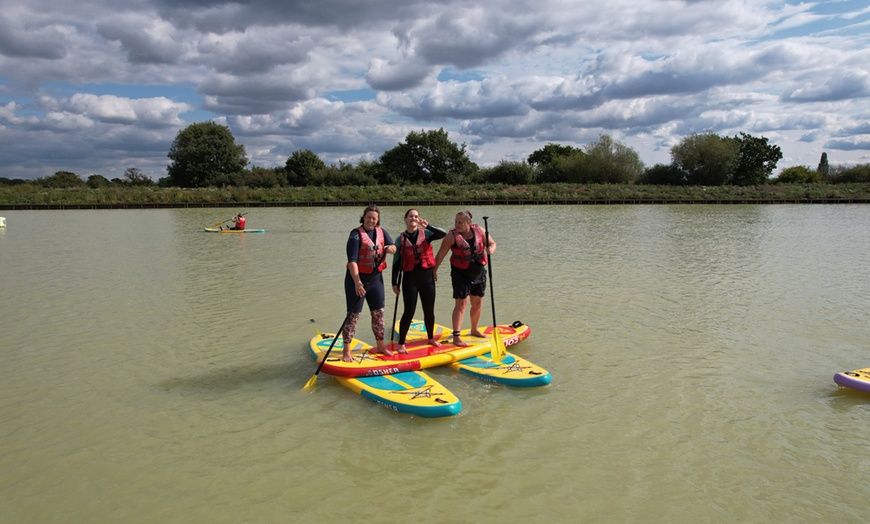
(238,222)
(467,243)
(416,259)
(367,248)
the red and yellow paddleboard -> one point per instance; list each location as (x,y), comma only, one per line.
(421,354)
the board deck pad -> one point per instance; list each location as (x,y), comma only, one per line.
(856,379)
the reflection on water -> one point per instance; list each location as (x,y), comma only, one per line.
(151,372)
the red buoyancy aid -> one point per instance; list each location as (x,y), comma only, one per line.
(371,253)
(463,254)
(241,223)
(418,253)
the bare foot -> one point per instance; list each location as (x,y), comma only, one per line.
(346,356)
(401,349)
(477,333)
(384,349)
(458,342)
(434,343)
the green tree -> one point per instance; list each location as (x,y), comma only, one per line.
(301,167)
(799,175)
(756,160)
(545,156)
(61,179)
(859,173)
(134,177)
(569,169)
(511,173)
(97,181)
(427,157)
(665,175)
(611,162)
(824,169)
(202,153)
(707,158)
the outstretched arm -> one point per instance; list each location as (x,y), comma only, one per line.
(442,252)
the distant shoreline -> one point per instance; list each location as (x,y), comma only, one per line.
(32,197)
(469,202)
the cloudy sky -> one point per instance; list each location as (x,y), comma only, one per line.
(98,86)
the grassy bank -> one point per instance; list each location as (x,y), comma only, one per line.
(32,197)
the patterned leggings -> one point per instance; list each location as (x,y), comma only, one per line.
(377,325)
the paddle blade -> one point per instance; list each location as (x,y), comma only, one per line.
(499,352)
(216,224)
(309,386)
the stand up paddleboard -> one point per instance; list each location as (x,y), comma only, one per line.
(420,355)
(512,371)
(856,379)
(411,392)
(217,230)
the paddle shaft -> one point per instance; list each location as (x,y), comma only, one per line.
(396,307)
(489,268)
(335,338)
(346,318)
(227,220)
(498,348)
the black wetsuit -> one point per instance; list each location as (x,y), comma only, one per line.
(419,281)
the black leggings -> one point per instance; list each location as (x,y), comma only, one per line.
(413,282)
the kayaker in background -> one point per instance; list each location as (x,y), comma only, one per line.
(367,249)
(238,222)
(415,257)
(469,249)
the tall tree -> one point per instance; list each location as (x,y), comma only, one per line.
(545,156)
(824,169)
(301,167)
(707,158)
(611,162)
(61,179)
(756,160)
(427,156)
(133,176)
(202,154)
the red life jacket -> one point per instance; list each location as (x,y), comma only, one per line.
(241,223)
(370,254)
(418,253)
(463,254)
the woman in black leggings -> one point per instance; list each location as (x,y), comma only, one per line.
(416,259)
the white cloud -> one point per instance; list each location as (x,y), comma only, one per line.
(85,91)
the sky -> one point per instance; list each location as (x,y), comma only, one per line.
(100,86)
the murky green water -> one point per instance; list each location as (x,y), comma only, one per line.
(150,372)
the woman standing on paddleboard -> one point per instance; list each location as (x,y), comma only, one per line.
(469,249)
(416,259)
(367,248)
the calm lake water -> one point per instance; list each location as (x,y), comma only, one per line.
(151,372)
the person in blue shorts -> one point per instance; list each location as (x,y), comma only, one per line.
(367,249)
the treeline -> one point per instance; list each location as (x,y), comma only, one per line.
(205,155)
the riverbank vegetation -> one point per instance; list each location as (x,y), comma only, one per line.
(31,196)
(208,169)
